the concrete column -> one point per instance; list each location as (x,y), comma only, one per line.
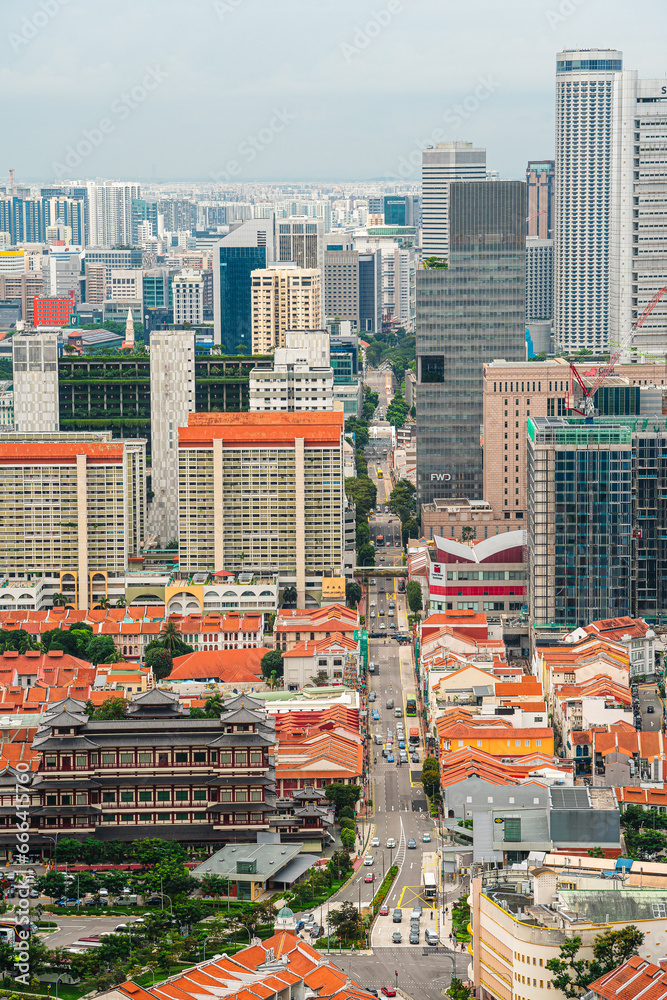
(218,506)
(300,520)
(82,528)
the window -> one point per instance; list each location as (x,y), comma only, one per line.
(50,761)
(109,818)
(241,794)
(52,800)
(182,816)
(200,758)
(145,817)
(199,795)
(108,758)
(225,757)
(82,798)
(145,796)
(181,795)
(163,797)
(659,909)
(108,796)
(127,796)
(512,829)
(81,760)
(145,758)
(225,796)
(199,815)
(256,795)
(181,758)
(127,758)
(256,756)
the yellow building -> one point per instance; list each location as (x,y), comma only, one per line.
(498,740)
(284,297)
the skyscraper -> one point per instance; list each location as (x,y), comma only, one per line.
(110,208)
(540,177)
(471,312)
(611,202)
(284,297)
(441,164)
(249,246)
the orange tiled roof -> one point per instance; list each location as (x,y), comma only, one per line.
(59,453)
(635,978)
(261,429)
(311,647)
(229,666)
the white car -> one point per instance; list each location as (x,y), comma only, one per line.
(368,860)
(375,842)
(391,842)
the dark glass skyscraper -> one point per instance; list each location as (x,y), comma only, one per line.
(467,314)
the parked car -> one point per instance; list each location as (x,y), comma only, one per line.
(388,991)
(414,935)
(372,696)
(415,758)
(396,937)
(154,901)
(431,938)
(416,913)
(316,931)
(397,915)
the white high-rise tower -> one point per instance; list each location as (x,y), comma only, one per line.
(611,202)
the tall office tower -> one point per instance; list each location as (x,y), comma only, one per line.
(579,520)
(468,314)
(402,210)
(144,210)
(284,297)
(35,364)
(638,256)
(248,246)
(172,374)
(23,287)
(110,207)
(74,508)
(540,192)
(263,492)
(341,284)
(398,266)
(188,298)
(301,239)
(63,273)
(370,292)
(298,379)
(441,164)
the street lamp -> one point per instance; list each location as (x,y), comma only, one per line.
(58,982)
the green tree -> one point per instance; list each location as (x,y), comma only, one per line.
(57,638)
(272,663)
(647,845)
(16,639)
(348,838)
(152,850)
(112,709)
(363,491)
(290,595)
(414,595)
(52,884)
(573,975)
(345,921)
(366,555)
(346,812)
(431,776)
(363,534)
(342,795)
(101,649)
(457,990)
(169,875)
(402,500)
(352,593)
(409,529)
(159,660)
(170,635)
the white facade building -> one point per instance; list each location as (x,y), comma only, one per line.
(442,163)
(611,202)
(188,298)
(36,398)
(172,398)
(62,273)
(300,378)
(110,212)
(539,279)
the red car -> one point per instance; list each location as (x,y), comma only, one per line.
(370,878)
(388,991)
(384,911)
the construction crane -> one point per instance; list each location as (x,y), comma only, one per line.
(588,410)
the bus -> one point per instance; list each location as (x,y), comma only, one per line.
(411,706)
(430,875)
(379,542)
(414,737)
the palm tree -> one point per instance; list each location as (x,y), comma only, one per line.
(59,600)
(120,603)
(104,603)
(170,634)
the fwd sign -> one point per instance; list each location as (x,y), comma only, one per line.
(440,477)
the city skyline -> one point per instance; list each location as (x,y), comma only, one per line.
(379,79)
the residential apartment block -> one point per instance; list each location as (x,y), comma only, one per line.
(188,299)
(263,492)
(300,378)
(35,365)
(284,297)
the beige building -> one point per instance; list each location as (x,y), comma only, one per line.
(74,508)
(284,297)
(514,391)
(188,298)
(520,920)
(263,492)
(24,287)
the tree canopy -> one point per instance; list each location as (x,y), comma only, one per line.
(272,663)
(573,975)
(342,795)
(414,595)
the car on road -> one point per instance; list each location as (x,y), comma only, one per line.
(384,910)
(372,614)
(373,695)
(414,935)
(375,842)
(383,626)
(397,915)
(416,913)
(373,581)
(651,709)
(369,878)
(396,937)
(411,844)
(431,938)
(415,758)
(426,838)
(392,624)
(371,989)
(376,715)
(391,842)
(390,758)
(401,744)
(388,991)
(34,894)
(316,932)
(369,860)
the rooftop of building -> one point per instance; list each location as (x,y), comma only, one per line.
(443,504)
(262,429)
(635,978)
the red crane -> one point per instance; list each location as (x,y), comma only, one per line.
(589,392)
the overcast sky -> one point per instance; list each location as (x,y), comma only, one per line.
(292,89)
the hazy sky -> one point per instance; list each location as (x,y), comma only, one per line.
(292,89)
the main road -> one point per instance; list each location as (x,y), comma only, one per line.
(400,808)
